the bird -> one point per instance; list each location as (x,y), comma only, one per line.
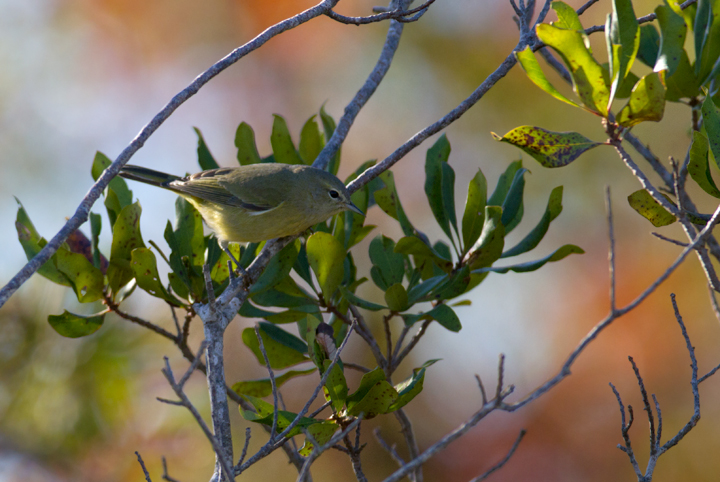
(255,202)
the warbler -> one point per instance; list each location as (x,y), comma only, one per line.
(255,202)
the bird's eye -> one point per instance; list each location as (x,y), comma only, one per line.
(334,194)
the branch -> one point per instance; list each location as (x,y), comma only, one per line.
(399,14)
(392,41)
(500,464)
(142,465)
(83,210)
(645,19)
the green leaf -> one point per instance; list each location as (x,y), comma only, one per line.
(702,26)
(245,142)
(504,182)
(189,234)
(534,72)
(412,245)
(567,17)
(711,124)
(557,255)
(71,325)
(264,415)
(552,211)
(263,388)
(411,387)
(672,39)
(278,268)
(396,297)
(474,215)
(321,432)
(117,184)
(126,237)
(488,248)
(455,285)
(387,199)
(95,228)
(551,149)
(388,266)
(373,397)
(443,314)
(699,166)
(288,316)
(326,256)
(282,144)
(513,204)
(649,45)
(336,389)
(87,280)
(710,43)
(144,267)
(439,185)
(205,158)
(647,102)
(421,290)
(329,128)
(642,202)
(32,243)
(624,32)
(283,349)
(682,83)
(359,302)
(311,142)
(589,79)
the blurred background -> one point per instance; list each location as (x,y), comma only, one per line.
(80,76)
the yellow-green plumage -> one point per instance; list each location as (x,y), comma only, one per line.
(256,202)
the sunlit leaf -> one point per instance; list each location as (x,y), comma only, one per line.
(551,149)
(647,102)
(642,202)
(264,415)
(71,325)
(373,397)
(87,280)
(567,17)
(144,266)
(410,388)
(336,389)
(117,184)
(532,68)
(672,39)
(247,152)
(311,142)
(326,257)
(474,215)
(321,433)
(126,237)
(589,79)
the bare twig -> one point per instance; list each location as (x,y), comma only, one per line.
(411,344)
(217,447)
(589,4)
(644,19)
(248,433)
(398,14)
(482,389)
(500,464)
(318,449)
(646,407)
(611,250)
(165,475)
(625,430)
(142,465)
(273,430)
(82,212)
(669,240)
(392,41)
(390,449)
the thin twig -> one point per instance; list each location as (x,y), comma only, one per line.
(398,14)
(646,407)
(165,475)
(644,19)
(500,464)
(318,449)
(589,4)
(217,448)
(248,433)
(669,240)
(390,449)
(273,430)
(625,430)
(611,250)
(142,465)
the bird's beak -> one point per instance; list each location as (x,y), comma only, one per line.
(354,208)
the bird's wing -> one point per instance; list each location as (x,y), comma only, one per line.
(208,185)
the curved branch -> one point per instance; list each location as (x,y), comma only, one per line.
(398,14)
(83,210)
(392,41)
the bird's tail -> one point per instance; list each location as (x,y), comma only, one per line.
(148,176)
